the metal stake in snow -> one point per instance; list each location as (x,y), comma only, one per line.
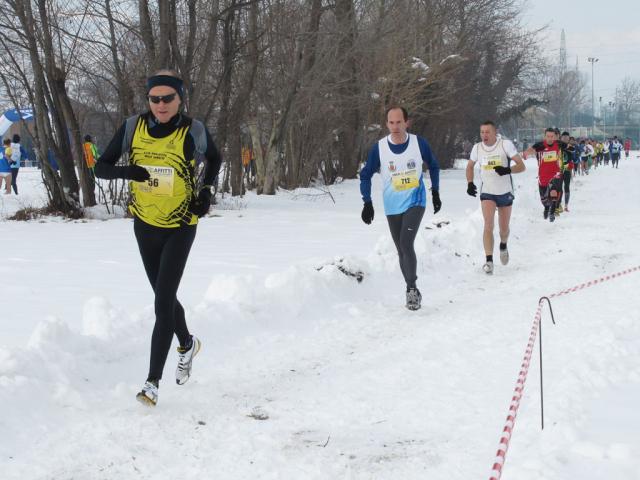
(505,438)
(540,343)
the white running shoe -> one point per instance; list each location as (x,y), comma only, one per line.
(504,256)
(149,394)
(185,361)
(488,268)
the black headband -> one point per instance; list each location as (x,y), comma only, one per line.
(165,80)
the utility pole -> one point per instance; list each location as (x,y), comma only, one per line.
(592,61)
(604,116)
(615,116)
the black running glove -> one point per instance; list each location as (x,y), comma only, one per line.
(367,213)
(437,203)
(136,173)
(500,170)
(472,189)
(126,172)
(201,204)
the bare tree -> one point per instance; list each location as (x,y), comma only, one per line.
(305,83)
(627,98)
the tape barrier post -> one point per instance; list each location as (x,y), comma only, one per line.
(540,343)
(505,438)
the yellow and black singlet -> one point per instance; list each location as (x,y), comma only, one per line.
(169,151)
(164,199)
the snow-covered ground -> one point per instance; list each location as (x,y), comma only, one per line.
(354,385)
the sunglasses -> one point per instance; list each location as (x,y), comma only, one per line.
(162,98)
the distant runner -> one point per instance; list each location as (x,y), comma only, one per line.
(549,153)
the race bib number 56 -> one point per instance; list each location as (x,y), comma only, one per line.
(160,184)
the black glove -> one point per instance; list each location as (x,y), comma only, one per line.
(437,203)
(137,173)
(367,213)
(500,170)
(201,204)
(472,189)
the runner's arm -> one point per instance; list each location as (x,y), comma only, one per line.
(106,164)
(470,166)
(432,163)
(372,166)
(513,154)
(206,147)
(534,149)
(473,158)
(519,166)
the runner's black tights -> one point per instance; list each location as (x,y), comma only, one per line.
(566,177)
(404,228)
(164,253)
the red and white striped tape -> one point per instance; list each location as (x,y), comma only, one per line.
(594,282)
(505,438)
(515,400)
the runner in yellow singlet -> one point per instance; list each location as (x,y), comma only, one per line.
(164,147)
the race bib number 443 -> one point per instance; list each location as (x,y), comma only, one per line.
(405,180)
(491,161)
(160,184)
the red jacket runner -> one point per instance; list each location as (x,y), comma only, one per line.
(549,160)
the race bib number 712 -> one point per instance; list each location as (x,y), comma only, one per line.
(405,180)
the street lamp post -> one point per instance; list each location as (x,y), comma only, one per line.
(592,61)
(603,117)
(615,116)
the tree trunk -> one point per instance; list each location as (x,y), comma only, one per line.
(146,32)
(200,99)
(242,99)
(234,159)
(125,94)
(304,63)
(348,136)
(43,138)
(62,146)
(228,60)
(256,144)
(163,59)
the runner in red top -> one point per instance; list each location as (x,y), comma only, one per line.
(549,153)
(627,147)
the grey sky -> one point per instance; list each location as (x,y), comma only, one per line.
(607,30)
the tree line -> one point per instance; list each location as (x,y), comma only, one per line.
(302,83)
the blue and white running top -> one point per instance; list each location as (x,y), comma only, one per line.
(400,166)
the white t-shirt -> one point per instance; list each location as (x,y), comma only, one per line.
(489,157)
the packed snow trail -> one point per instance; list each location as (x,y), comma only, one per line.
(354,385)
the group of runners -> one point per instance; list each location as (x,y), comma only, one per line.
(163,149)
(589,153)
(399,158)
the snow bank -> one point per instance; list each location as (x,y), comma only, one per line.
(353,385)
